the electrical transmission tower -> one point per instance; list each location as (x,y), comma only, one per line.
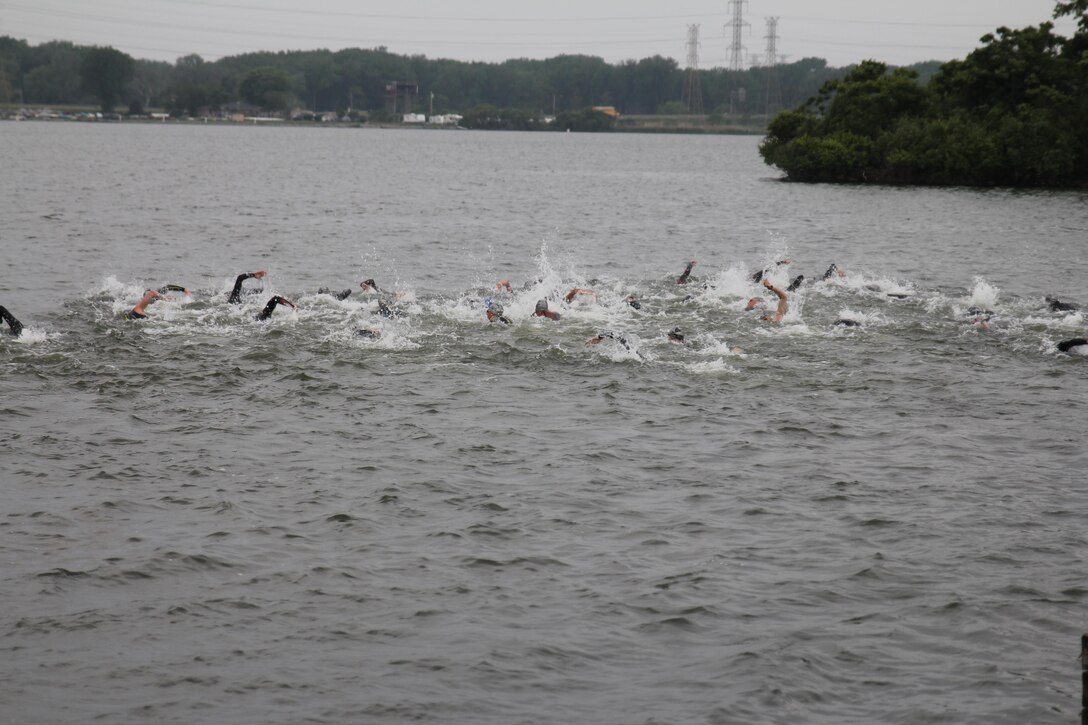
(772,96)
(693,88)
(736,49)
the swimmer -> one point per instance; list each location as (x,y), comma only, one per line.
(139,312)
(174,288)
(383,309)
(832,271)
(796,283)
(503,285)
(783,303)
(369,334)
(543,311)
(16,327)
(494,311)
(607,335)
(341,295)
(236,293)
(753,303)
(676,335)
(271,307)
(758,276)
(569,297)
(683,278)
(1057,305)
(980,317)
(1064,345)
(633,302)
(846,322)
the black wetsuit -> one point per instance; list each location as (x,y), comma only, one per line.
(676,335)
(796,283)
(236,293)
(847,323)
(170,288)
(368,334)
(271,306)
(609,335)
(15,325)
(1067,345)
(134,315)
(1059,306)
(683,278)
(342,295)
(758,276)
(383,309)
(634,303)
(830,271)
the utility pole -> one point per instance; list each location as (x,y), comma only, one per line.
(772,97)
(693,87)
(736,53)
(736,49)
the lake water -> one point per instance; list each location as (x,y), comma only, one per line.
(211,519)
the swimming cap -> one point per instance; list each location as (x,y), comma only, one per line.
(541,305)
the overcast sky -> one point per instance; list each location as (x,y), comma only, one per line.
(842,31)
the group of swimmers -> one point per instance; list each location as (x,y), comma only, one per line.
(495,312)
(975,315)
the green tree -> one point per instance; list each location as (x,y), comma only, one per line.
(59,79)
(150,84)
(198,85)
(105,72)
(1011,113)
(1078,8)
(586,120)
(268,87)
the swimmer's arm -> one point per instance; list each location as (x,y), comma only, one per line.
(149,297)
(783,301)
(15,325)
(235,294)
(779,293)
(578,291)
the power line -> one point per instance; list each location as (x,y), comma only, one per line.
(538,43)
(320,38)
(423,18)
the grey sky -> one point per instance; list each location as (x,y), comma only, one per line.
(842,31)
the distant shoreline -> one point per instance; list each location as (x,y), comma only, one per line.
(641,125)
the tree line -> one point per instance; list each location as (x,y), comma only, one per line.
(60,72)
(1012,113)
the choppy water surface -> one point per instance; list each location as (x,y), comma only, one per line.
(210,519)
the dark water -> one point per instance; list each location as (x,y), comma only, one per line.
(208,519)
